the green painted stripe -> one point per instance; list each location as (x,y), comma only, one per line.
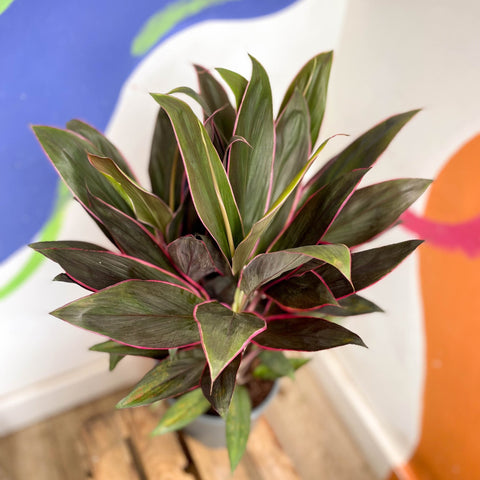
(4,4)
(49,232)
(159,24)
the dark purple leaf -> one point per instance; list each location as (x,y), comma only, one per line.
(362,153)
(139,313)
(368,267)
(250,166)
(305,334)
(301,293)
(313,219)
(192,257)
(373,209)
(130,236)
(349,306)
(95,268)
(166,169)
(220,393)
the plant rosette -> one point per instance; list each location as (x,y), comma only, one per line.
(231,258)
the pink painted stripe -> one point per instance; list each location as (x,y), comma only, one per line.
(464,236)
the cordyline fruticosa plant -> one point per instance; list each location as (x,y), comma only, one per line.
(232,257)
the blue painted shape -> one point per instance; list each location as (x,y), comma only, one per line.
(61,60)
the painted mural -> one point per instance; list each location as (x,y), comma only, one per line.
(61,60)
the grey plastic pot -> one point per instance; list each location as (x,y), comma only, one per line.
(210,429)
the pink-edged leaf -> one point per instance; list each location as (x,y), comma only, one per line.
(361,153)
(130,236)
(250,166)
(148,208)
(236,82)
(105,147)
(217,101)
(373,209)
(305,334)
(209,185)
(238,425)
(269,266)
(315,216)
(292,143)
(224,333)
(219,394)
(141,313)
(312,82)
(68,153)
(172,376)
(244,251)
(349,306)
(95,268)
(368,267)
(306,292)
(166,167)
(192,257)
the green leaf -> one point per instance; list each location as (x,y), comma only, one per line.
(361,153)
(131,237)
(250,166)
(190,92)
(236,82)
(264,372)
(185,409)
(302,293)
(4,4)
(368,267)
(114,360)
(277,363)
(246,247)
(313,219)
(166,168)
(219,394)
(238,425)
(102,143)
(148,208)
(349,306)
(218,102)
(120,349)
(224,333)
(312,82)
(209,185)
(68,153)
(170,377)
(96,268)
(141,313)
(305,334)
(292,143)
(268,266)
(373,209)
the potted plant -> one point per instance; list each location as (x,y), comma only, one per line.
(232,257)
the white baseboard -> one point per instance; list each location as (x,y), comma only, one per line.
(371,436)
(62,392)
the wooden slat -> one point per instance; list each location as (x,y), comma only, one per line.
(119,447)
(311,433)
(263,460)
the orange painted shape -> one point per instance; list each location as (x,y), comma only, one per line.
(449,446)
